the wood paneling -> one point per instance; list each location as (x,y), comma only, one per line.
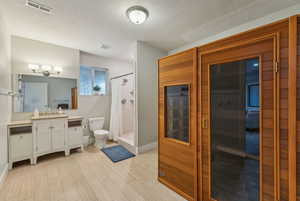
(282,29)
(292,139)
(297,109)
(74,98)
(177,160)
(278,131)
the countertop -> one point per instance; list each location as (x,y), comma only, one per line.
(29,121)
(19,123)
(52,116)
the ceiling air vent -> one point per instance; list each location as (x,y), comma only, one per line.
(39,6)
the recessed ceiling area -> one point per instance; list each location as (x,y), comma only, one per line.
(85,25)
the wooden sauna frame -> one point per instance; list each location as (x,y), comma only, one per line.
(286,59)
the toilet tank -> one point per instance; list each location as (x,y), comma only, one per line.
(96,123)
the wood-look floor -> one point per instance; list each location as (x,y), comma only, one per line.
(87,176)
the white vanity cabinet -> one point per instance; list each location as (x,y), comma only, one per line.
(30,139)
(49,136)
(42,137)
(75,134)
(20,144)
(58,132)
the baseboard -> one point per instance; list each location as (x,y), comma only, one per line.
(3,175)
(147,147)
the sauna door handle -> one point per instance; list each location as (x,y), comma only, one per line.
(204,123)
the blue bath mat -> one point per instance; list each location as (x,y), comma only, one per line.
(117,153)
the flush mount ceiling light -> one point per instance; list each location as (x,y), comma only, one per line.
(137,14)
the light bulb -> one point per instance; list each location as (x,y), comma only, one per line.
(33,67)
(58,69)
(46,68)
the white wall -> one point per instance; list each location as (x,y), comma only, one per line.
(5,101)
(147,90)
(26,51)
(116,67)
(282,14)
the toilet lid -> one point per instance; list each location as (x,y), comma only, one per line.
(101,132)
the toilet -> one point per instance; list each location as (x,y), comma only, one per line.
(96,125)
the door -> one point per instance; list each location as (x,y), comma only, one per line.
(177,123)
(21,145)
(58,134)
(238,109)
(75,136)
(43,137)
(35,96)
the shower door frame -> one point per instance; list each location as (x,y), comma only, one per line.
(204,120)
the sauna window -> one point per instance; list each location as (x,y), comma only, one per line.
(235,130)
(177,112)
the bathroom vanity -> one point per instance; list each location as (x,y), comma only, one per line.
(30,139)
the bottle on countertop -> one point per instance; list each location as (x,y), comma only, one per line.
(36,113)
(60,111)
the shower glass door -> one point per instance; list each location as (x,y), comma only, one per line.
(235,130)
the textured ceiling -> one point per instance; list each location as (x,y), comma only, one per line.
(85,24)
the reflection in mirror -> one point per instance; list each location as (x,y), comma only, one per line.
(44,93)
(177,112)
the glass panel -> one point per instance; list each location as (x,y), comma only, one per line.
(235,131)
(100,80)
(177,112)
(90,77)
(86,81)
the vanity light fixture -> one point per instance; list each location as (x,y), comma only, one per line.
(58,69)
(46,70)
(137,14)
(33,67)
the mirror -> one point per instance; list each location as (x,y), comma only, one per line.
(44,93)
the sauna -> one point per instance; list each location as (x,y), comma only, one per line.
(228,116)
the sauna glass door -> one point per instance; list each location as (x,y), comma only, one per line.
(235,130)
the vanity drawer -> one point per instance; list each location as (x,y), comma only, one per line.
(21,145)
(20,130)
(74,123)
